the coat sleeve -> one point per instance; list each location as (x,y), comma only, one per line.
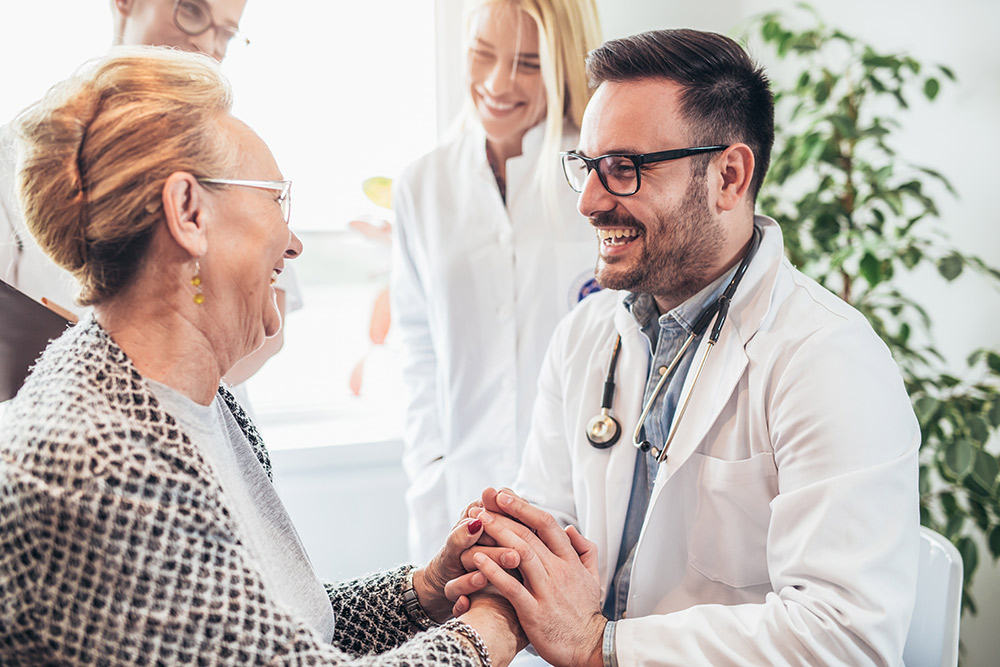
(422,435)
(545,477)
(842,539)
(10,244)
(126,566)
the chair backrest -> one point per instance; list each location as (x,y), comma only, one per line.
(932,639)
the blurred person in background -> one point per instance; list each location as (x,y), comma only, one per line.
(198,26)
(489,252)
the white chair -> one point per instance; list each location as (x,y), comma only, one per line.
(932,639)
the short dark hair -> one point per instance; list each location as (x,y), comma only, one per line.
(726,96)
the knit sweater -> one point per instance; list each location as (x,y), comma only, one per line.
(118,547)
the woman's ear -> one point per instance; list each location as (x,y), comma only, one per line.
(184,210)
(736,166)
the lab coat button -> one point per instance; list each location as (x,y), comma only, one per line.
(663,369)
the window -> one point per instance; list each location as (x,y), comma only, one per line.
(340,92)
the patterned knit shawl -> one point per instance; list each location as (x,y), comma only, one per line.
(117,546)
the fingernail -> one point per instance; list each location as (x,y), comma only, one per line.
(475,526)
(505,498)
(508,560)
(478,559)
(478,579)
(485,517)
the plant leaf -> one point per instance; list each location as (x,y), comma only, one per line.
(970,556)
(931,88)
(950,266)
(979,431)
(870,269)
(958,457)
(994,541)
(925,406)
(986,469)
(994,414)
(993,361)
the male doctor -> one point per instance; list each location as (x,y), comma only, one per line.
(781,524)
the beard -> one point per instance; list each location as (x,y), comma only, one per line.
(676,259)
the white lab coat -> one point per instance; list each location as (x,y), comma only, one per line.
(23,263)
(476,290)
(783,527)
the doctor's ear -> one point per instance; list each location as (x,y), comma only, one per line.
(184,209)
(734,171)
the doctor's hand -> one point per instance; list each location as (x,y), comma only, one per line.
(558,604)
(429,582)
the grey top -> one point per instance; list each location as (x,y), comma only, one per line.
(260,516)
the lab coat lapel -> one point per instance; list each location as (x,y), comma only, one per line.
(724,366)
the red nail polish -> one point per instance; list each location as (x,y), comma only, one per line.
(475,526)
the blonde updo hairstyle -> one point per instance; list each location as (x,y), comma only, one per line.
(95,152)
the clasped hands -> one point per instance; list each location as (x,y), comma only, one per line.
(547,574)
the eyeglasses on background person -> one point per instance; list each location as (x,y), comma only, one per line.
(284,188)
(194,17)
(620,173)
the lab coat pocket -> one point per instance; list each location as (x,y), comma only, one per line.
(728,534)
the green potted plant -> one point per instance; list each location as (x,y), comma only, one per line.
(858,217)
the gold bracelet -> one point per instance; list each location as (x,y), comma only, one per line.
(469,633)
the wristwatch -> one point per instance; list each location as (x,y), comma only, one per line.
(411,605)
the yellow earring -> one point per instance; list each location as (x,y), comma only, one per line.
(199,296)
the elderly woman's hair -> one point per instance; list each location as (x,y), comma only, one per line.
(95,152)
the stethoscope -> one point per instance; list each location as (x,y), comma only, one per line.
(604,430)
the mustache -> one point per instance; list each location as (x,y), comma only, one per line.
(616,219)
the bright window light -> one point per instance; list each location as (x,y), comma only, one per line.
(340,92)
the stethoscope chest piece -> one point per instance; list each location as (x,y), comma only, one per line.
(603,430)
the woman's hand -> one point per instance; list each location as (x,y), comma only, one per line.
(429,582)
(558,605)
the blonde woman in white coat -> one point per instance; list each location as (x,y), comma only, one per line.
(489,254)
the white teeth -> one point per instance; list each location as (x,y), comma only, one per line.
(499,106)
(615,235)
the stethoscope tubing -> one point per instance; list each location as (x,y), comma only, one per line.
(717,312)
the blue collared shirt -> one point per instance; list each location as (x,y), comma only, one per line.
(665,335)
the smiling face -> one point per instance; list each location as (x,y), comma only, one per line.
(151,23)
(248,243)
(666,239)
(505,76)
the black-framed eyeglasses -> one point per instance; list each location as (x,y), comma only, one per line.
(194,17)
(620,173)
(283,188)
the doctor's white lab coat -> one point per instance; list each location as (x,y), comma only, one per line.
(783,526)
(477,289)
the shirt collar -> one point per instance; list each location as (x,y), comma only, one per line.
(642,306)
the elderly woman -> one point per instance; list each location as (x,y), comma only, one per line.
(138,524)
